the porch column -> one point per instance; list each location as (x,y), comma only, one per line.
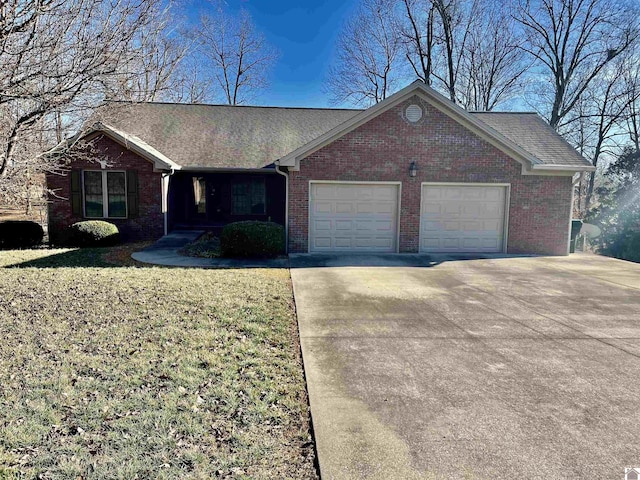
(165,200)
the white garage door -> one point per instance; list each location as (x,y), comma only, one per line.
(462,218)
(353,217)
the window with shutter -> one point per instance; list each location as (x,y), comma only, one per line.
(104,193)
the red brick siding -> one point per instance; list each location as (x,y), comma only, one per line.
(147,225)
(445,151)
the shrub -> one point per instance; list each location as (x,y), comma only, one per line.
(631,249)
(252,239)
(92,233)
(20,234)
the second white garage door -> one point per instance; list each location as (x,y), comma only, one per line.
(353,217)
(463,218)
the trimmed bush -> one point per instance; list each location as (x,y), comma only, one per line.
(93,233)
(252,239)
(20,234)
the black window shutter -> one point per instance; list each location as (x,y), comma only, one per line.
(132,193)
(76,192)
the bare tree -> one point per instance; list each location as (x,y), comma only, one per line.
(456,20)
(437,36)
(157,71)
(238,55)
(368,52)
(191,84)
(493,66)
(609,98)
(59,59)
(572,41)
(631,79)
(418,37)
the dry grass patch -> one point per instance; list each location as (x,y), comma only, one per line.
(128,372)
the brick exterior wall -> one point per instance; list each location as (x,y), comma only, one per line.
(445,151)
(147,225)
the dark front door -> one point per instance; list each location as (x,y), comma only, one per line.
(196,199)
(204,200)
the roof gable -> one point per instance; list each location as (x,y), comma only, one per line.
(529,161)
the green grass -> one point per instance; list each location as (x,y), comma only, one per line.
(110,370)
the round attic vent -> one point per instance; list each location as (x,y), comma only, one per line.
(413,113)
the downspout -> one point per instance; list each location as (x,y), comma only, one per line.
(580,178)
(165,199)
(286,208)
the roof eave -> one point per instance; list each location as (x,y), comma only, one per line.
(136,145)
(130,142)
(564,168)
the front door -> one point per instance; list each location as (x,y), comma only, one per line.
(204,200)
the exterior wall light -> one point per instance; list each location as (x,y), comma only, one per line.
(413,169)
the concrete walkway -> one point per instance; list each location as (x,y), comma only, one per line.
(496,368)
(164,252)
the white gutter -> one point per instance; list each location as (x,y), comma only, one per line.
(567,168)
(286,208)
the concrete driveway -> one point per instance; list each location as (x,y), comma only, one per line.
(498,368)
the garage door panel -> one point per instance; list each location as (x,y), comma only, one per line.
(325,191)
(353,217)
(490,243)
(450,226)
(364,208)
(344,207)
(473,226)
(343,242)
(322,207)
(320,242)
(432,194)
(462,218)
(322,225)
(343,225)
(450,243)
(492,226)
(375,226)
(452,207)
(385,226)
(494,194)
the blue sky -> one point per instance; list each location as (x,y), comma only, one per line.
(304,32)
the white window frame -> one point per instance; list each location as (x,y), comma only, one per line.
(105,194)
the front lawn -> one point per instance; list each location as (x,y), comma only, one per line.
(111,370)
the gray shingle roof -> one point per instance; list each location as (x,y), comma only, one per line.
(533,134)
(222,136)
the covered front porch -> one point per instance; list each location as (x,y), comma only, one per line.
(208,200)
